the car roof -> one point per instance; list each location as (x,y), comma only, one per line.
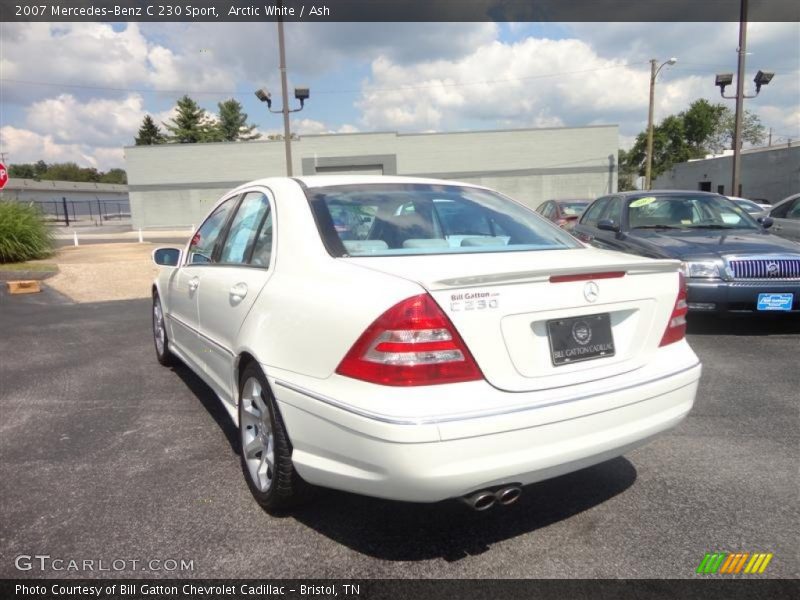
(586,200)
(317,181)
(644,193)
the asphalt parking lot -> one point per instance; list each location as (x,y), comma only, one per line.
(106,455)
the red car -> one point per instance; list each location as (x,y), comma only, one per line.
(564,213)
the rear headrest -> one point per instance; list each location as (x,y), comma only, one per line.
(365,246)
(484,241)
(426,243)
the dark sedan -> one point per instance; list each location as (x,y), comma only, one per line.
(731,263)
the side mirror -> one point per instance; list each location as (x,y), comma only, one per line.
(167,257)
(766,222)
(607,225)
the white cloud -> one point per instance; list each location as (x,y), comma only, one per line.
(99,122)
(23,145)
(312,127)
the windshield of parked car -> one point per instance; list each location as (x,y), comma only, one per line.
(397,219)
(572,209)
(750,207)
(687,212)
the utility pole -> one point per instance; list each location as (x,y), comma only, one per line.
(769,143)
(654,70)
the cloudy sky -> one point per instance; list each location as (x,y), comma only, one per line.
(78,91)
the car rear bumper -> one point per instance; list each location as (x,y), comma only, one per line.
(737,296)
(434,460)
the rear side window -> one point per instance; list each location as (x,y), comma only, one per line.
(396,219)
(244,228)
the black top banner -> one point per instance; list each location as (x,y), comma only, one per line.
(398,10)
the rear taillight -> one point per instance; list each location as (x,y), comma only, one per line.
(412,343)
(676,328)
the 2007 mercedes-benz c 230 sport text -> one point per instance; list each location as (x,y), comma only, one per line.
(418,339)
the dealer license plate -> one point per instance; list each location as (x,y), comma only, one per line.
(580,338)
(775,301)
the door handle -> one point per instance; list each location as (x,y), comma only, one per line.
(193,283)
(239,290)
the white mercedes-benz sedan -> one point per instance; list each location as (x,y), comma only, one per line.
(419,340)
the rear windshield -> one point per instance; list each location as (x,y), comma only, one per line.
(397,219)
(573,209)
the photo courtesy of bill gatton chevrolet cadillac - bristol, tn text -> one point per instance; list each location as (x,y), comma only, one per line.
(419,340)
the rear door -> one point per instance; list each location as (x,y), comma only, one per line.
(241,268)
(184,287)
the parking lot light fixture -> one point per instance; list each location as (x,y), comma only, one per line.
(648,169)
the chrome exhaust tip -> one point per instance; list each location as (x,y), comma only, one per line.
(508,495)
(482,500)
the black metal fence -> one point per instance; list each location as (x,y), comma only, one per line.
(71,212)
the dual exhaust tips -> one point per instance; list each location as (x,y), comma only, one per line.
(486,499)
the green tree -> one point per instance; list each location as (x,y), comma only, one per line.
(626,174)
(149,133)
(703,128)
(69,171)
(753,132)
(114,176)
(22,171)
(232,125)
(40,168)
(191,124)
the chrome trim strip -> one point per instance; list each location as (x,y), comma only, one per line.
(205,337)
(466,416)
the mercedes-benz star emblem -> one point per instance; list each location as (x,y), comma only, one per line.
(582,333)
(591,291)
(773,268)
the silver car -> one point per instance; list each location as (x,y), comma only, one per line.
(786,218)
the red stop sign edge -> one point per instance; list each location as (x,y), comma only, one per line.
(3,176)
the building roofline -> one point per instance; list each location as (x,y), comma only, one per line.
(395,133)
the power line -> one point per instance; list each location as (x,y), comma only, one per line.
(345,91)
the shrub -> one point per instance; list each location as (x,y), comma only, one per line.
(23,233)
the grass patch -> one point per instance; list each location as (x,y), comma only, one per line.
(23,233)
(37,266)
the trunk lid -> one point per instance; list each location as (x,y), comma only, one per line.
(501,305)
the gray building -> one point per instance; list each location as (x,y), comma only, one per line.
(771,173)
(174,184)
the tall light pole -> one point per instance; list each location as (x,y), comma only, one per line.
(648,168)
(300,93)
(725,79)
(287,136)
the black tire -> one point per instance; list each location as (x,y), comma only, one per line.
(163,355)
(286,488)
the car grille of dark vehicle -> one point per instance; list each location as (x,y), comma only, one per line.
(765,268)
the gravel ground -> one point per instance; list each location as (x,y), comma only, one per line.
(104,272)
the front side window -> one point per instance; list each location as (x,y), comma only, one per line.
(201,248)
(244,228)
(613,210)
(395,219)
(687,212)
(592,215)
